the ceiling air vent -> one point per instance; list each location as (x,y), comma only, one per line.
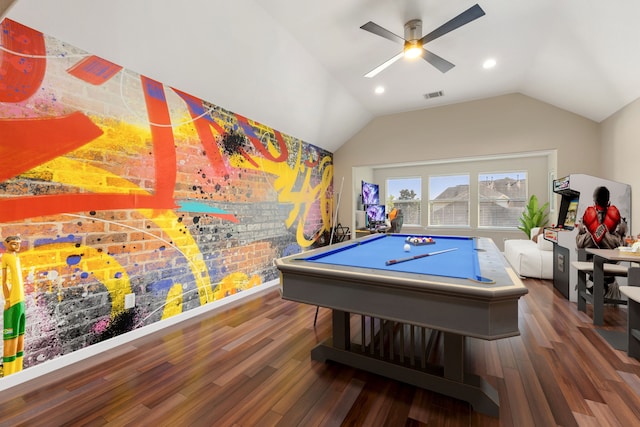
(434,94)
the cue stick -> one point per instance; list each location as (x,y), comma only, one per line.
(335,216)
(397,261)
(333,228)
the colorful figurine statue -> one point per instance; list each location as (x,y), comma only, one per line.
(14,307)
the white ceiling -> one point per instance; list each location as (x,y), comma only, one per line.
(298,65)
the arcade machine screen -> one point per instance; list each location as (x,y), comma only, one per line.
(568,212)
(572,214)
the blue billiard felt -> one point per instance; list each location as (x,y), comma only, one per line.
(375,251)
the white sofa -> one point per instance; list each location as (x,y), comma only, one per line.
(529,258)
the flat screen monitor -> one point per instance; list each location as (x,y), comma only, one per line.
(375,214)
(370,194)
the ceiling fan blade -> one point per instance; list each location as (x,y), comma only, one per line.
(471,14)
(376,29)
(384,65)
(440,63)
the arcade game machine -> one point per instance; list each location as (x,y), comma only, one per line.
(576,192)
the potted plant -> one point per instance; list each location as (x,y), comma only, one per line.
(533,216)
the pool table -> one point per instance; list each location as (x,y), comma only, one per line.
(455,286)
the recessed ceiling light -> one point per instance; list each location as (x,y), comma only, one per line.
(379,90)
(489,63)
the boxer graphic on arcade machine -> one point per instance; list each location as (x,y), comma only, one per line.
(602,227)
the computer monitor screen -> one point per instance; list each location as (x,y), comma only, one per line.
(375,214)
(370,194)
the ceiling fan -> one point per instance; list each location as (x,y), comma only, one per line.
(414,44)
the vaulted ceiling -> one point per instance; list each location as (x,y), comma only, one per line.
(298,65)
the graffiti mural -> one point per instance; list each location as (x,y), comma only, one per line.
(120,185)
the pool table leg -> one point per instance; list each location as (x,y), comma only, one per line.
(450,380)
(341,330)
(454,357)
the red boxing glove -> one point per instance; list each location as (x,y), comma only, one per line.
(612,218)
(598,230)
(590,220)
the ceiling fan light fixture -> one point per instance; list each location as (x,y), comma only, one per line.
(412,34)
(414,42)
(412,49)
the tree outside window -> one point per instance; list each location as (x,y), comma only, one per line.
(405,194)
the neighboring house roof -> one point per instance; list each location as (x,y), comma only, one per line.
(504,189)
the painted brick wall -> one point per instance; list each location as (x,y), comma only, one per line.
(118,184)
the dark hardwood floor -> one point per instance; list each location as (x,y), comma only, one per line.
(250,366)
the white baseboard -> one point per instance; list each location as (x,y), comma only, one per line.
(79,355)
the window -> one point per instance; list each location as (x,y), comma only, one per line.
(459,195)
(405,194)
(449,200)
(502,198)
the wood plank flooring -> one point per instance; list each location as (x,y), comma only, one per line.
(250,366)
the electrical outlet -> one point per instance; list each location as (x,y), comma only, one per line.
(129,301)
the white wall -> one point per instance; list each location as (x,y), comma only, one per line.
(620,154)
(230,53)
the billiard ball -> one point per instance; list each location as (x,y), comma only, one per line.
(407,247)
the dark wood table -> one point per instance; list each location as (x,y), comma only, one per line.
(633,319)
(600,257)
